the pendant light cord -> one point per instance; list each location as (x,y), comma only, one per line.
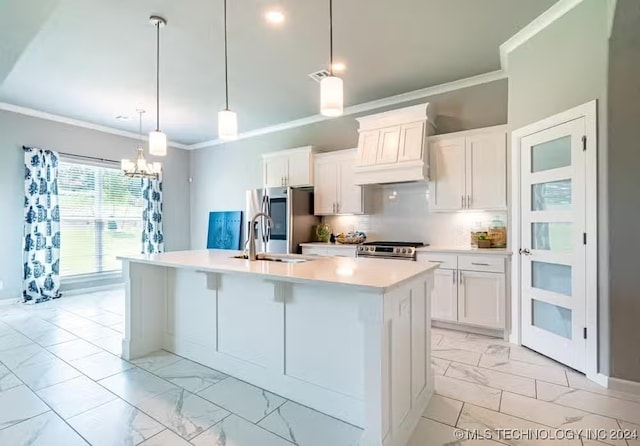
(330,37)
(226,63)
(157,76)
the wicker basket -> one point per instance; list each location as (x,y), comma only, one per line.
(498,237)
(350,240)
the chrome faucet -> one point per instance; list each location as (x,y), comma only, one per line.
(252,233)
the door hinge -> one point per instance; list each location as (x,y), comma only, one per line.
(584,332)
(584,143)
(584,238)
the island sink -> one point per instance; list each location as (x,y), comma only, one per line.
(283,258)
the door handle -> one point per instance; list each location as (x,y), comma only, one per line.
(525,251)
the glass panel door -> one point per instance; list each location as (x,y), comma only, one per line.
(553,264)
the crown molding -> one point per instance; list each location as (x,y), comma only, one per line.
(366,106)
(538,24)
(78,123)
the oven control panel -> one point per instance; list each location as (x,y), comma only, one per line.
(386,251)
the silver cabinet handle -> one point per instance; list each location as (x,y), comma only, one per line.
(436,261)
(462,201)
(468,201)
(338,208)
(480,264)
(333,207)
(460,277)
(454,276)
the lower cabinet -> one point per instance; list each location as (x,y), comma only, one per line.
(462,295)
(329,250)
(444,300)
(481,299)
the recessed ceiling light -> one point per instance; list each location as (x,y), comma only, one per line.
(339,67)
(274,16)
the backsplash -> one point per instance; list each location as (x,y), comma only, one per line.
(400,212)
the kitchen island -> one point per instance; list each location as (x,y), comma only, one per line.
(347,337)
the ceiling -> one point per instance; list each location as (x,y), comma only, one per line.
(95,59)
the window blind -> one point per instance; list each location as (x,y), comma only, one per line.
(100,218)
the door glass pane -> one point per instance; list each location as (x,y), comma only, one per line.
(551,154)
(552,196)
(551,277)
(551,318)
(551,236)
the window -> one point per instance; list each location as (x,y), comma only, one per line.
(100,218)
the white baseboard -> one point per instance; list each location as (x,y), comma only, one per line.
(95,289)
(623,385)
(467,328)
(600,379)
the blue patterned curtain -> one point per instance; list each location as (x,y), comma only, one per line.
(41,242)
(152,234)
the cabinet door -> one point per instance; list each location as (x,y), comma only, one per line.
(275,170)
(326,187)
(481,299)
(444,299)
(349,195)
(389,145)
(300,171)
(486,156)
(412,142)
(447,187)
(368,147)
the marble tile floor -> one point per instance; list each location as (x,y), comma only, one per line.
(62,382)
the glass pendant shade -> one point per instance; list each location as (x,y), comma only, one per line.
(157,143)
(331,96)
(227,125)
(127,165)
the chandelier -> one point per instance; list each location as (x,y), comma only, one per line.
(140,168)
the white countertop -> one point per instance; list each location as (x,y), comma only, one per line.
(435,248)
(373,274)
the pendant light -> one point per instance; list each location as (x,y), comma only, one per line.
(331,88)
(227,119)
(157,139)
(140,168)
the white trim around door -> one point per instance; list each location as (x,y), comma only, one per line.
(588,112)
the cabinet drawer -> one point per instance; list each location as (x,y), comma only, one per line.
(478,263)
(314,251)
(446,261)
(341,252)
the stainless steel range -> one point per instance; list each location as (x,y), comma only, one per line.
(389,250)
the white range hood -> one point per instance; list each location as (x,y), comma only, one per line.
(393,146)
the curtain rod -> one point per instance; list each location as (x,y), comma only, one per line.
(93,158)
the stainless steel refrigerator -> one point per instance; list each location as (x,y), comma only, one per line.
(291,210)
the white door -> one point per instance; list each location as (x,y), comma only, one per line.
(481,298)
(325,191)
(444,299)
(368,147)
(412,141)
(299,172)
(447,190)
(486,159)
(553,260)
(389,145)
(349,194)
(275,171)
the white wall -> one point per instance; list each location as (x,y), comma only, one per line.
(222,174)
(401,213)
(17,130)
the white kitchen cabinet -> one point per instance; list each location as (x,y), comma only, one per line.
(444,301)
(468,289)
(293,167)
(481,299)
(469,170)
(335,191)
(447,189)
(392,146)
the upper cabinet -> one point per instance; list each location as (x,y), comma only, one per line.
(335,189)
(392,146)
(293,167)
(469,170)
